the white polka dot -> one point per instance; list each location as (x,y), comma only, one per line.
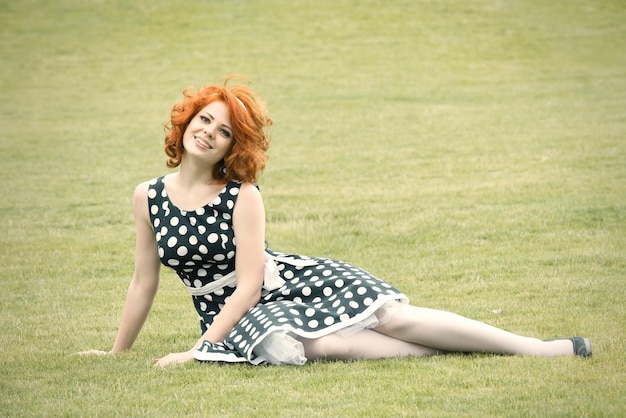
(172,242)
(201,229)
(157,222)
(203,249)
(201,273)
(193,240)
(234,191)
(353,304)
(306,291)
(329,320)
(327,291)
(298,321)
(313,323)
(336,303)
(224,226)
(200,211)
(182,251)
(344,317)
(213,238)
(367,301)
(161,252)
(361,291)
(174,221)
(182,230)
(173,262)
(230,204)
(348,295)
(197,283)
(154,209)
(211,220)
(339,283)
(203,306)
(309,312)
(152,193)
(327,273)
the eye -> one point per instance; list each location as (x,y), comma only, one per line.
(205,119)
(226,133)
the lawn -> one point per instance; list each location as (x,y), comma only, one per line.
(472,153)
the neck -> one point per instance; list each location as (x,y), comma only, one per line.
(190,174)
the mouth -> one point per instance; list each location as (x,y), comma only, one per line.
(204,144)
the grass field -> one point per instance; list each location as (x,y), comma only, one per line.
(473,153)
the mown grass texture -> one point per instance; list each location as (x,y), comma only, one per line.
(471,153)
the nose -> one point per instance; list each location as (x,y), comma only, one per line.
(208,130)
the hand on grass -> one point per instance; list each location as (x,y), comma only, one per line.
(174,358)
(94,353)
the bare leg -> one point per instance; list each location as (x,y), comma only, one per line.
(451,332)
(365,344)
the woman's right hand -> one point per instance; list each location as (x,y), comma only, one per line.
(94,353)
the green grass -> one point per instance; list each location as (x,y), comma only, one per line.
(473,153)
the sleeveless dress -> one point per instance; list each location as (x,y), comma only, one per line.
(301,297)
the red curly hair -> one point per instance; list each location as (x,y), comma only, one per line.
(248,116)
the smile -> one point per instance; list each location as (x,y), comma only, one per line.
(202,143)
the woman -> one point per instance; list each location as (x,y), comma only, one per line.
(207,223)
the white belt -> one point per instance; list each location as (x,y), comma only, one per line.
(271,276)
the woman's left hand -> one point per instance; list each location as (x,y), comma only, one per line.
(174,358)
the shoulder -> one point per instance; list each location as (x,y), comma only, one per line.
(141,193)
(249,197)
(143,188)
(249,192)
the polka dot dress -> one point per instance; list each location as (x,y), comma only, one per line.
(318,296)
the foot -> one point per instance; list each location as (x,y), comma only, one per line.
(582,346)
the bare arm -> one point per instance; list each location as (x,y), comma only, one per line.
(145,282)
(249,228)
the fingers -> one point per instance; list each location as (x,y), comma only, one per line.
(93,353)
(174,358)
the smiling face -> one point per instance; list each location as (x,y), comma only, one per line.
(209,135)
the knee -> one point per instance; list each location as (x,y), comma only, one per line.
(329,347)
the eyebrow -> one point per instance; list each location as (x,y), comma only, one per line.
(213,117)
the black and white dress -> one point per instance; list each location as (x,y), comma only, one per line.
(302,296)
